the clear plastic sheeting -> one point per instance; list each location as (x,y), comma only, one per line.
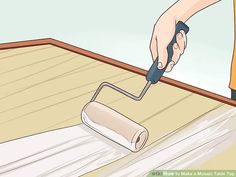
(77,150)
(65,152)
(209,135)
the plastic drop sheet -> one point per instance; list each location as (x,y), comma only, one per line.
(211,134)
(68,152)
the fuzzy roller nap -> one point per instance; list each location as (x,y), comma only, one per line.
(115,126)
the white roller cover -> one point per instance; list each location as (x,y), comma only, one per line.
(114,126)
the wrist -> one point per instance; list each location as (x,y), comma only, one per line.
(178,11)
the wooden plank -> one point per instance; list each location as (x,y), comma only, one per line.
(3,51)
(22,50)
(39,94)
(61,107)
(114,62)
(14,65)
(142,72)
(32,99)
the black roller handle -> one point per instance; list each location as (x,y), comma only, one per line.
(154,74)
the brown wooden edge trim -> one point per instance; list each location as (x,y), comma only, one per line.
(116,63)
(28,43)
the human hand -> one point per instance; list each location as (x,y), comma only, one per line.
(163,32)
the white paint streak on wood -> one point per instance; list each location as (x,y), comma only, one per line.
(71,151)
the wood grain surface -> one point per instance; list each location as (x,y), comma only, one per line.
(44,87)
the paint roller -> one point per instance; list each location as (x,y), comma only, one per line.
(116,126)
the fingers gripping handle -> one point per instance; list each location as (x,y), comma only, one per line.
(154,74)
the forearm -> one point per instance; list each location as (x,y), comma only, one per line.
(182,10)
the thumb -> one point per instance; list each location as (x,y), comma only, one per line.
(162,53)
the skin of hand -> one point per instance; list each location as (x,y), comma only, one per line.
(164,30)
